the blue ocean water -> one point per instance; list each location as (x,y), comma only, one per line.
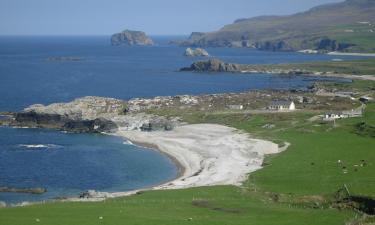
(67,164)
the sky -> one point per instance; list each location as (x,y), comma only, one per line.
(155,17)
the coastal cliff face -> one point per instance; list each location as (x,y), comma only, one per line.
(345,26)
(130,38)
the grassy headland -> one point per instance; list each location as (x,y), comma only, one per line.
(345,26)
(355,69)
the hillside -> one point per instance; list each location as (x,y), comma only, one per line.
(347,26)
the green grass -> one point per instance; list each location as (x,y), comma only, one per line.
(215,205)
(354,67)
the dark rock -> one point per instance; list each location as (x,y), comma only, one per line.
(332,45)
(90,126)
(274,46)
(55,121)
(33,119)
(129,38)
(212,65)
(158,125)
(23,190)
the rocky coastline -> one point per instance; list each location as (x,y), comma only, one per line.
(89,115)
(215,65)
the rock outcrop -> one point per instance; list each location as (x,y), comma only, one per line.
(63,122)
(212,65)
(130,38)
(198,52)
(23,190)
(90,115)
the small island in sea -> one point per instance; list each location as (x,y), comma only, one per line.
(130,38)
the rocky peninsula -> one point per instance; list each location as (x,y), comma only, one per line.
(358,69)
(130,38)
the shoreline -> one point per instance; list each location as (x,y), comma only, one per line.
(179,166)
(201,161)
(345,76)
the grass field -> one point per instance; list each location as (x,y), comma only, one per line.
(295,187)
(354,67)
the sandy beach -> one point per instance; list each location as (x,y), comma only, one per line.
(207,155)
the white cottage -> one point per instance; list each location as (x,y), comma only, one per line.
(282,105)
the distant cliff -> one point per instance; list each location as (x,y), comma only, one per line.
(129,38)
(346,26)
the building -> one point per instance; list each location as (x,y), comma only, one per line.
(235,107)
(282,105)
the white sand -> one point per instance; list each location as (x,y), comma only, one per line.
(209,155)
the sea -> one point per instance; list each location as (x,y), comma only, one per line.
(67,164)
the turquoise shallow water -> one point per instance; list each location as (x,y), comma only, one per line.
(67,164)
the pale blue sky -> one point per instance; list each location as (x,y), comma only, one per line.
(97,17)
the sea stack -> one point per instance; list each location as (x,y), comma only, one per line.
(130,38)
(198,52)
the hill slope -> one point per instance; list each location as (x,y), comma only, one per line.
(346,26)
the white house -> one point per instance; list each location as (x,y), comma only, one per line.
(282,105)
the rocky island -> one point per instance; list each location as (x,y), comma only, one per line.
(130,38)
(198,52)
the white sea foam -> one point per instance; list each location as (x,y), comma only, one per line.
(127,142)
(39,146)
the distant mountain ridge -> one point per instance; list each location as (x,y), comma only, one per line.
(346,26)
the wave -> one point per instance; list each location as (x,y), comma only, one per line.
(127,142)
(39,146)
